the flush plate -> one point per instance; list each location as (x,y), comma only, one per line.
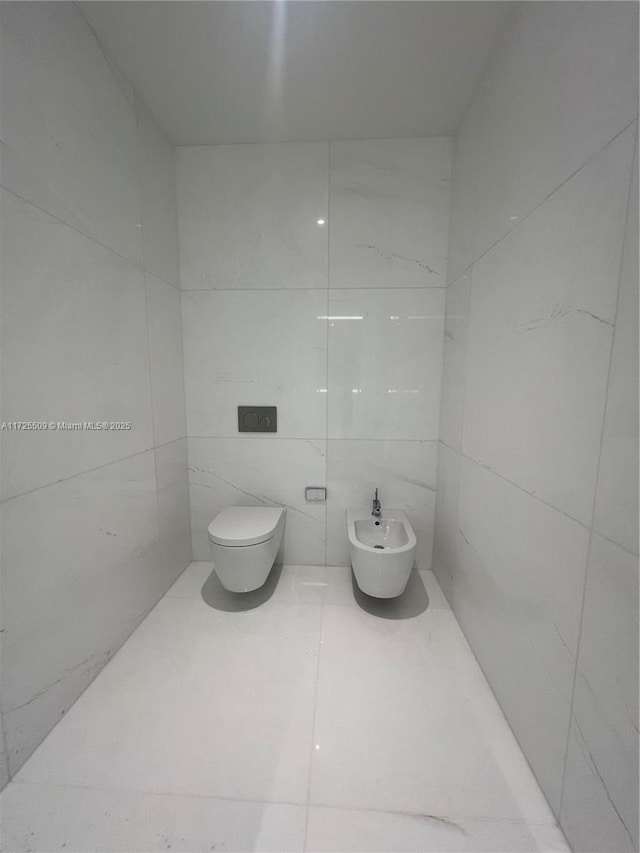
(257,419)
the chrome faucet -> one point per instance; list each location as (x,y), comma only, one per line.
(376,509)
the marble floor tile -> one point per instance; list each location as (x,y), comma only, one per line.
(200,701)
(48,818)
(309,717)
(380,832)
(385,688)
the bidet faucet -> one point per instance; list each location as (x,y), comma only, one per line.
(376,509)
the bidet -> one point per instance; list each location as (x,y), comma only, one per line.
(381,551)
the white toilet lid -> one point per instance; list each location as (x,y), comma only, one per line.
(244,525)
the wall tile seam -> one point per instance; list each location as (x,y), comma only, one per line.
(549,505)
(86,471)
(595,491)
(304,289)
(137,263)
(332,141)
(326,408)
(552,192)
(270,437)
(137,119)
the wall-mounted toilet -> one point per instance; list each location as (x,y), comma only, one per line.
(244,542)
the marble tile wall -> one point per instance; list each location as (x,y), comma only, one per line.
(95,525)
(314,279)
(536,531)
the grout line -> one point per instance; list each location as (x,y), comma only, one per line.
(313,722)
(304,289)
(546,198)
(26,783)
(595,491)
(333,140)
(266,437)
(516,485)
(137,120)
(82,473)
(138,264)
(326,385)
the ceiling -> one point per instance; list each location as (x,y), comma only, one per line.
(220,72)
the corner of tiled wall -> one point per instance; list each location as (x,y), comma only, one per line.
(90,273)
(536,520)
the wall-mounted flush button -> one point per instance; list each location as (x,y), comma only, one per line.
(250,420)
(315,494)
(257,419)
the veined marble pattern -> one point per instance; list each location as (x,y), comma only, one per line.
(552,96)
(519,574)
(540,333)
(165,358)
(389,212)
(70,600)
(454,363)
(256,348)
(84,305)
(59,818)
(405,473)
(616,511)
(385,363)
(68,126)
(332,829)
(156,164)
(602,769)
(253,472)
(320,679)
(248,215)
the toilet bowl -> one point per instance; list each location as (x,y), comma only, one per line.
(244,542)
(381,551)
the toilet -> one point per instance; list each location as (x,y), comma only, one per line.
(244,542)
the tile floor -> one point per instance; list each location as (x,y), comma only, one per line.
(313,719)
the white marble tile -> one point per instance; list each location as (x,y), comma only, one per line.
(385,688)
(80,569)
(562,83)
(173,509)
(73,334)
(240,471)
(385,363)
(292,584)
(47,818)
(519,576)
(445,534)
(463,189)
(603,755)
(540,332)
(616,512)
(4,764)
(389,212)
(454,362)
(68,126)
(232,696)
(165,360)
(405,474)
(588,817)
(248,215)
(379,832)
(423,592)
(156,165)
(256,348)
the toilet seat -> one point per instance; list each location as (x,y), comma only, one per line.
(238,526)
